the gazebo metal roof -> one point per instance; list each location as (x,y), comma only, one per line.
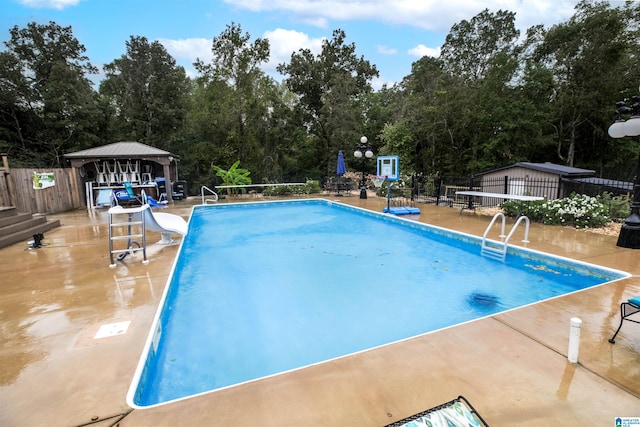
(120,150)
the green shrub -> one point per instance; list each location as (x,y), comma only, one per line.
(309,187)
(280,190)
(234,176)
(577,210)
(619,207)
(312,187)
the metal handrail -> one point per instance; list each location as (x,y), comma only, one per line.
(526,229)
(499,250)
(202,192)
(496,216)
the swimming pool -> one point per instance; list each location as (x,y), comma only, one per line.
(258,289)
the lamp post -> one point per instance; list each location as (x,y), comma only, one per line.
(363,151)
(629,236)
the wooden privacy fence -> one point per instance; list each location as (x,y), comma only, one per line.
(7,190)
(63,196)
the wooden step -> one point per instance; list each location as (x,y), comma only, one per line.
(14,219)
(8,211)
(23,231)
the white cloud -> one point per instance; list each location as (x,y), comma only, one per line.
(285,42)
(432,15)
(49,4)
(316,22)
(282,43)
(378,82)
(386,50)
(422,50)
(189,49)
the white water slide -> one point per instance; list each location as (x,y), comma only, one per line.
(163,223)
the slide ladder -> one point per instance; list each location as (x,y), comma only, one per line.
(498,250)
(134,227)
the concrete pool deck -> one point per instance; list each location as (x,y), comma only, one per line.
(512,366)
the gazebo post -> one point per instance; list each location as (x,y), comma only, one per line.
(166,170)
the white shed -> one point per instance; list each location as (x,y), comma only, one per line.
(532,179)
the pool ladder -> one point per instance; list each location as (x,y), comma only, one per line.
(134,228)
(498,250)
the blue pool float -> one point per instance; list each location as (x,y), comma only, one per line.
(402,210)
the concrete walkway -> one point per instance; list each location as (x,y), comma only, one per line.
(512,366)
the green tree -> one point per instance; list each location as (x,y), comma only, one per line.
(329,86)
(443,112)
(481,57)
(234,101)
(472,47)
(148,93)
(588,57)
(47,104)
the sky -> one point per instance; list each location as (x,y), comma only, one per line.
(391,34)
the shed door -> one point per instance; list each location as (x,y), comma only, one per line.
(516,186)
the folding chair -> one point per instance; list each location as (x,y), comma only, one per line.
(101,177)
(628,308)
(147,176)
(122,172)
(111,173)
(456,413)
(133,169)
(127,195)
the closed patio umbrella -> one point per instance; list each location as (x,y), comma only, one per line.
(341,169)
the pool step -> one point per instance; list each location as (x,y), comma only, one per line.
(498,250)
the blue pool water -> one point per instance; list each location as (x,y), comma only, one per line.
(263,288)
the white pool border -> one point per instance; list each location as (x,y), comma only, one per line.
(155,332)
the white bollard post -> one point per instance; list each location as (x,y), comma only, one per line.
(574,339)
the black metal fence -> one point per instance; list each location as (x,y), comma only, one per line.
(443,190)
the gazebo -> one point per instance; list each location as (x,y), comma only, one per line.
(106,168)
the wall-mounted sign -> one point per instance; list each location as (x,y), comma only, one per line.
(43,180)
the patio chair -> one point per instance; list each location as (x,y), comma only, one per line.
(628,308)
(110,169)
(127,195)
(122,172)
(133,170)
(101,173)
(458,412)
(147,175)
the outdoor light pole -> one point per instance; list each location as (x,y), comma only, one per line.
(629,236)
(363,151)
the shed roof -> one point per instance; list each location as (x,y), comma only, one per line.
(613,183)
(120,150)
(552,168)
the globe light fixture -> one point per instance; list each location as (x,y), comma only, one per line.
(629,236)
(363,151)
